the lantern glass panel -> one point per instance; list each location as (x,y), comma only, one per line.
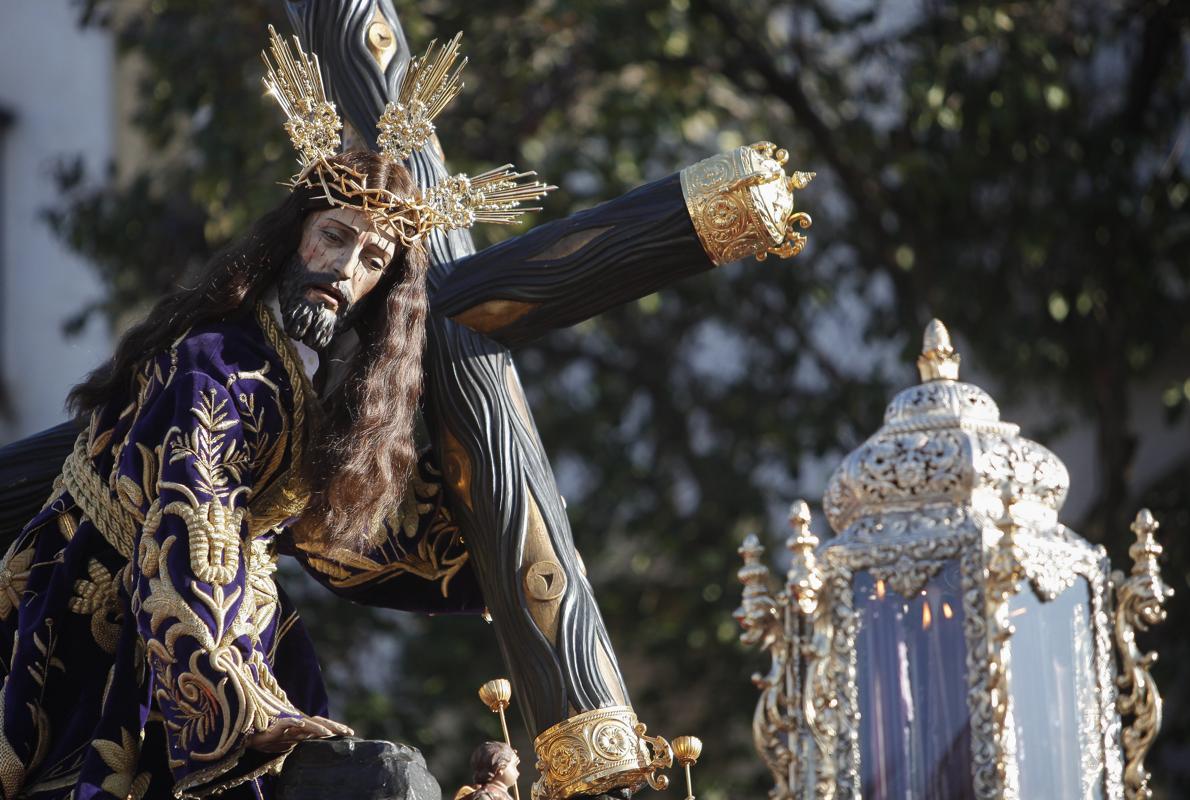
(915,737)
(1055,696)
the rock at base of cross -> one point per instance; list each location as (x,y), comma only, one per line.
(361,769)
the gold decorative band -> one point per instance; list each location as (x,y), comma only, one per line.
(597,751)
(741,204)
(92,496)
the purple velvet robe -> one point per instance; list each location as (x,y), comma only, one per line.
(143,633)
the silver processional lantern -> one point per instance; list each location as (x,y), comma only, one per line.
(953,640)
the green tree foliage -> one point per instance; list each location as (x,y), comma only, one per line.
(1017,169)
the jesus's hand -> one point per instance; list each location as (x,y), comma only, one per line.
(286,732)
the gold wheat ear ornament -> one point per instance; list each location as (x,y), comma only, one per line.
(294,80)
(494,197)
(407,123)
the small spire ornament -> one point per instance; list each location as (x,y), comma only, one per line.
(938,360)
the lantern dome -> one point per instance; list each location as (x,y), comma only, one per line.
(943,445)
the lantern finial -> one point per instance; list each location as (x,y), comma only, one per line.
(938,360)
(1140,604)
(799,515)
(804,578)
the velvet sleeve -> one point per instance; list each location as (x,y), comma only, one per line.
(196,604)
(417,562)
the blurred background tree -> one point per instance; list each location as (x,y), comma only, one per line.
(1017,169)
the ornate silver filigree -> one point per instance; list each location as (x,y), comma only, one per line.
(942,443)
(764,623)
(945,480)
(1140,604)
(1005,571)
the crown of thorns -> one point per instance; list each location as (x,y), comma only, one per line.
(293,78)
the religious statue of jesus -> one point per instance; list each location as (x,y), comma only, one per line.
(270,408)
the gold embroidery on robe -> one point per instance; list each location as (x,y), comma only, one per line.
(14,575)
(213,526)
(12,770)
(97,596)
(202,636)
(438,555)
(122,758)
(205,705)
(260,603)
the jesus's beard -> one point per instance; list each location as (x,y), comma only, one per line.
(310,322)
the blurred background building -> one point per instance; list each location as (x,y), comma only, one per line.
(58,101)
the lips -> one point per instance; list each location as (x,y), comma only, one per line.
(327,295)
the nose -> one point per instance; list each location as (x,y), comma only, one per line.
(344,266)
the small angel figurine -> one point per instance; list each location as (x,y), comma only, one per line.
(494,772)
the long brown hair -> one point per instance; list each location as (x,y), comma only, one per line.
(358,465)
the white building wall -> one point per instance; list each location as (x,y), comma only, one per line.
(58,82)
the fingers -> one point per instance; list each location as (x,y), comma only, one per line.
(337,728)
(286,732)
(278,737)
(317,728)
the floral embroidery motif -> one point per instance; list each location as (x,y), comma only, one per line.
(122,758)
(266,451)
(215,695)
(98,597)
(419,538)
(214,528)
(260,603)
(14,575)
(45,646)
(166,481)
(207,592)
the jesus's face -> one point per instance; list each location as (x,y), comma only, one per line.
(339,260)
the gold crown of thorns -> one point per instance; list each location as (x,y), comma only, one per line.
(406,126)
